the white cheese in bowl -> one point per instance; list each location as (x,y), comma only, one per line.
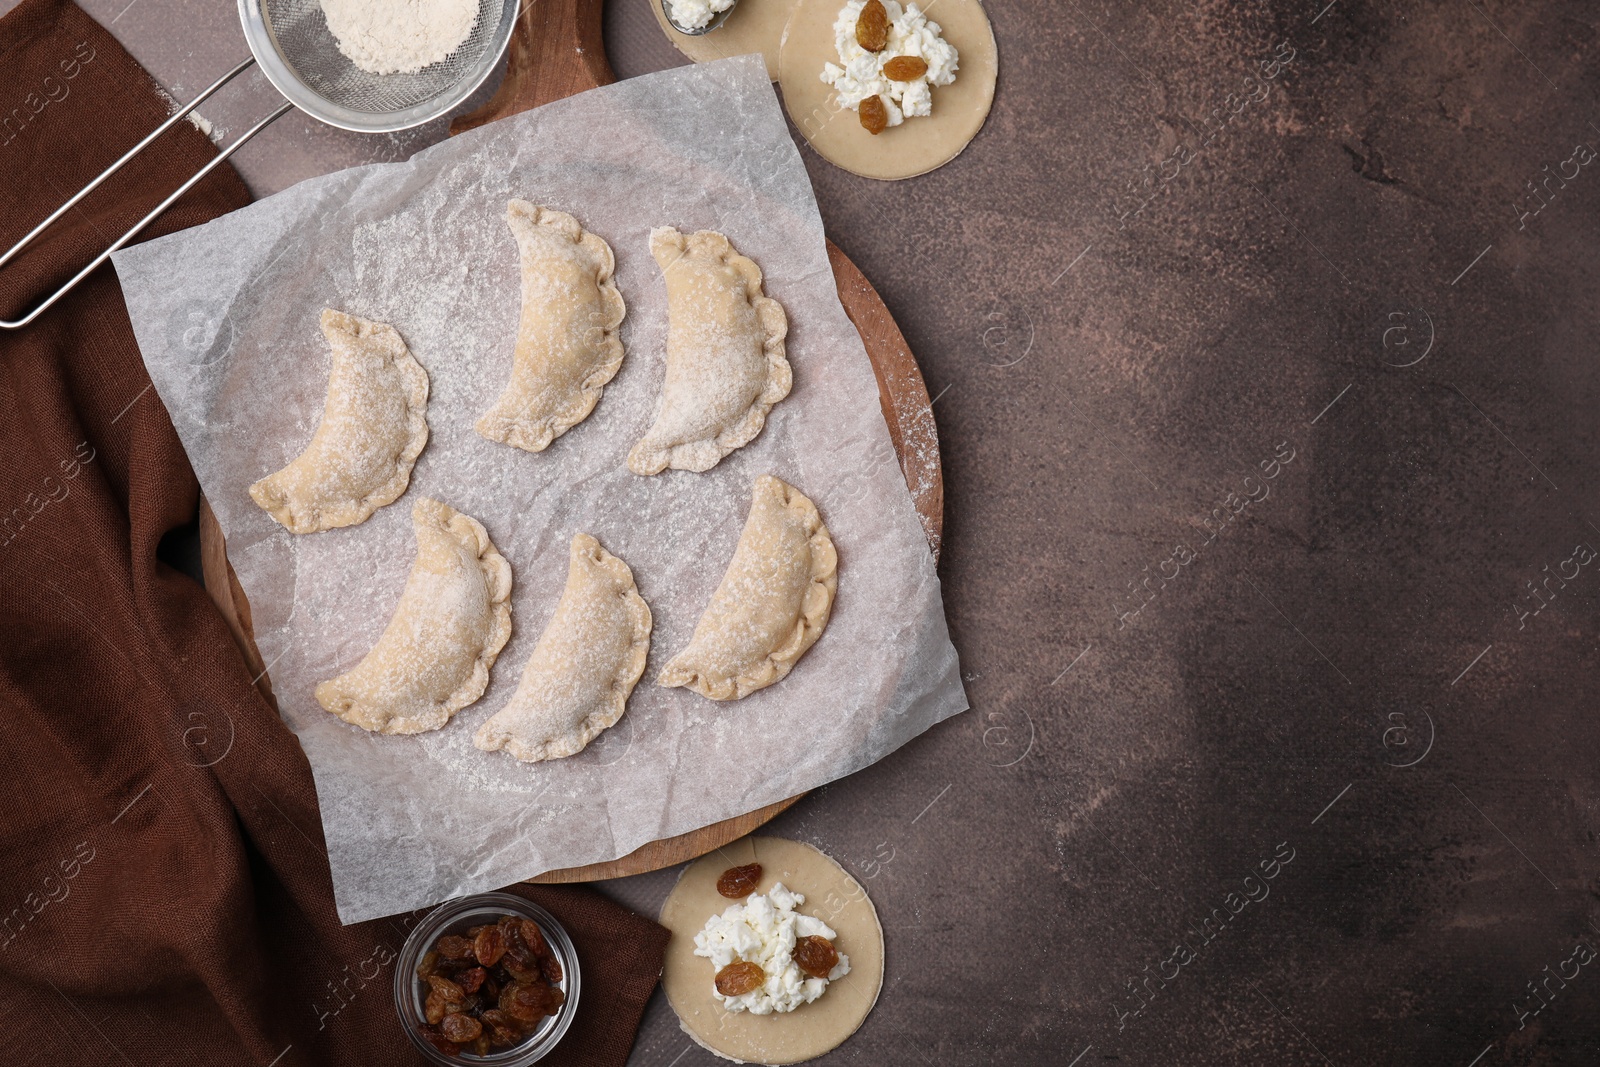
(859,73)
(763,931)
(693,14)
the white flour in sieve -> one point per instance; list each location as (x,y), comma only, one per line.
(399,36)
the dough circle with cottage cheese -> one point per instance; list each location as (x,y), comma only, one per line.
(831,895)
(917,145)
(754,26)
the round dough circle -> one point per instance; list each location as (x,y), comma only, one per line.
(831,895)
(917,145)
(754,26)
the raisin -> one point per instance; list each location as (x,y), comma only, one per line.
(460,1028)
(874,115)
(433,1037)
(533,937)
(739,978)
(525,1002)
(470,981)
(554,998)
(520,964)
(905,68)
(446,988)
(550,967)
(481,1046)
(872,26)
(490,989)
(452,947)
(489,946)
(444,997)
(503,1030)
(450,968)
(739,882)
(428,964)
(816,956)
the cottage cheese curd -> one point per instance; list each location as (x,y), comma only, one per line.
(861,73)
(763,930)
(693,14)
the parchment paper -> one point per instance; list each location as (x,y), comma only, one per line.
(226,316)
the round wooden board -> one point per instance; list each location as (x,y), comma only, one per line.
(557,50)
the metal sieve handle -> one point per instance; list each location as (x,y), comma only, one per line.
(176,117)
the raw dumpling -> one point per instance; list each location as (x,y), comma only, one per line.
(577,681)
(567,343)
(454,618)
(772,604)
(374,424)
(725,360)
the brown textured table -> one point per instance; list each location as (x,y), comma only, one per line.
(1352,671)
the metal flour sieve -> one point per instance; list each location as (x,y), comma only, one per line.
(289,40)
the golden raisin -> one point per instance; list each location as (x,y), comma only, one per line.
(550,967)
(446,988)
(739,882)
(874,115)
(520,964)
(527,1002)
(815,955)
(533,937)
(444,997)
(469,980)
(460,1028)
(905,68)
(489,946)
(503,1030)
(452,947)
(872,26)
(739,978)
(432,1036)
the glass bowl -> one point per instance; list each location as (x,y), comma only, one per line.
(454,917)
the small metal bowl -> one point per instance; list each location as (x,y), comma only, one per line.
(454,917)
(716,20)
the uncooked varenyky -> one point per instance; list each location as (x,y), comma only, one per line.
(454,617)
(567,343)
(374,424)
(725,355)
(772,603)
(588,660)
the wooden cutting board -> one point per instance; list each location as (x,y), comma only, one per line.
(557,50)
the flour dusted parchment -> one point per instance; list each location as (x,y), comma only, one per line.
(225,315)
(399,36)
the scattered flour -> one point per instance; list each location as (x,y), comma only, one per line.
(399,36)
(206,126)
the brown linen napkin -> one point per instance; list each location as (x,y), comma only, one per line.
(164,895)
